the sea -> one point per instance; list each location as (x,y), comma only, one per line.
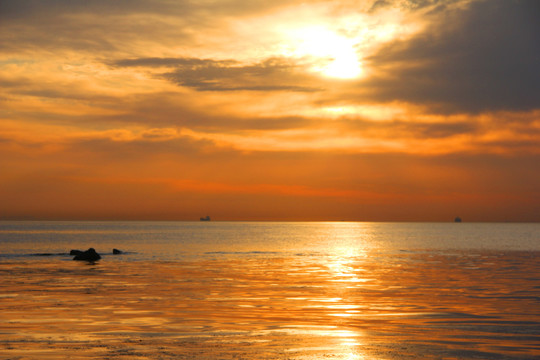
(270,290)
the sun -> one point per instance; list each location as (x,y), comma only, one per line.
(331,54)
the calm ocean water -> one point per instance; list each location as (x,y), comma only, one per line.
(180,240)
(269,290)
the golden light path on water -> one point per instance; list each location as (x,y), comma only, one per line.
(342,272)
(343,296)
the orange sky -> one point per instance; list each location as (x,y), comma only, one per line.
(387,110)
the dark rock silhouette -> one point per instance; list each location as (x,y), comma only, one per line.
(76,252)
(457,219)
(117,252)
(88,255)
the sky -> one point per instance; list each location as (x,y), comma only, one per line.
(375,110)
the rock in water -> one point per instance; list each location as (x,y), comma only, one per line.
(117,252)
(75,252)
(88,255)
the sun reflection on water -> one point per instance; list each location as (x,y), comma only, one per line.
(345,273)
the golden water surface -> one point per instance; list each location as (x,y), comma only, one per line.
(404,305)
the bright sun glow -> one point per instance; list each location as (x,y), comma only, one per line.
(334,55)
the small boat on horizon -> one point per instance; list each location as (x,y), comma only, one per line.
(457,219)
(207,218)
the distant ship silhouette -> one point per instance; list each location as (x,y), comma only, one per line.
(457,219)
(207,218)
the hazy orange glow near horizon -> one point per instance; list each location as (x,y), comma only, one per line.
(394,110)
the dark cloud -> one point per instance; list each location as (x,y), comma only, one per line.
(413,5)
(380,4)
(27,8)
(433,130)
(102,25)
(93,26)
(411,128)
(24,9)
(269,75)
(172,62)
(77,25)
(481,58)
(274,74)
